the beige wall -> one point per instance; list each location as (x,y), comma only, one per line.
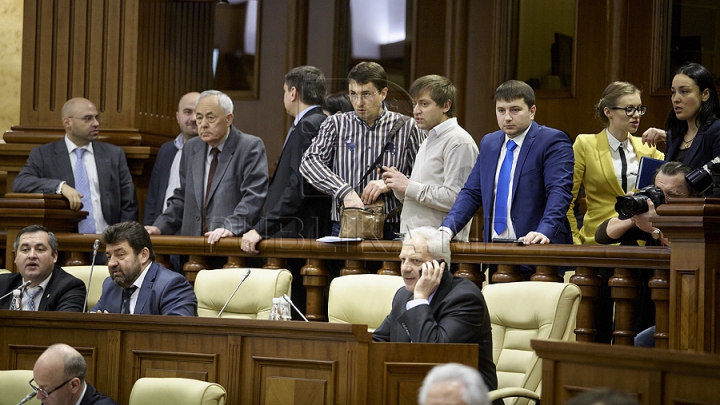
(11,19)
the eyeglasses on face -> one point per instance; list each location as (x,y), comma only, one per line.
(630,110)
(42,391)
(209,118)
(367,96)
(89,118)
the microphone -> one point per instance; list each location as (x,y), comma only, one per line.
(20,287)
(27,397)
(286,298)
(92,267)
(247,273)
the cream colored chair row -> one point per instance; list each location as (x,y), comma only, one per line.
(99,274)
(253,299)
(364,299)
(176,391)
(4,271)
(14,387)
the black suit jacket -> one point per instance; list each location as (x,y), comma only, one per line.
(293,207)
(158,183)
(49,164)
(93,397)
(64,291)
(456,314)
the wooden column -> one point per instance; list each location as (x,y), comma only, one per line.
(315,279)
(659,286)
(507,273)
(624,290)
(589,282)
(693,227)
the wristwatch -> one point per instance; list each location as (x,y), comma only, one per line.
(656,234)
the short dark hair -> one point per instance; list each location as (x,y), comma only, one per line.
(369,72)
(440,89)
(514,89)
(672,169)
(52,240)
(335,102)
(602,396)
(309,83)
(132,232)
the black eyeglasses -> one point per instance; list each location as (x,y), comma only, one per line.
(39,390)
(89,118)
(630,110)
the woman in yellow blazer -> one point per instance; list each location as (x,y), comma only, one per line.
(598,161)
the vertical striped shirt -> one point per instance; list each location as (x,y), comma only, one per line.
(345,148)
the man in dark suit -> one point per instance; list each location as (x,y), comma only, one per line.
(434,306)
(223,177)
(92,175)
(137,285)
(165,177)
(50,288)
(293,207)
(524,193)
(60,372)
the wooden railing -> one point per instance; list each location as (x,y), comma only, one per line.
(472,259)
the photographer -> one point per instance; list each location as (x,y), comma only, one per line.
(628,230)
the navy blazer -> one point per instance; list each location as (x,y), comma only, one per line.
(93,397)
(163,292)
(159,182)
(49,164)
(705,146)
(542,185)
(64,291)
(292,204)
(456,314)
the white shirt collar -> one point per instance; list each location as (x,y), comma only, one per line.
(614,143)
(440,128)
(71,146)
(302,114)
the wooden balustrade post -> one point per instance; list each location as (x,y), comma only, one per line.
(507,273)
(234,262)
(76,259)
(624,292)
(163,260)
(589,282)
(315,278)
(472,272)
(353,267)
(546,274)
(660,293)
(194,264)
(390,268)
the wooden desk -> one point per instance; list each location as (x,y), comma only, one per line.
(257,361)
(653,376)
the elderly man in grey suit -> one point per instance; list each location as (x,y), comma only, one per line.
(92,175)
(223,177)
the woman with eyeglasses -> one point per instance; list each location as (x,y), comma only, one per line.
(693,125)
(606,164)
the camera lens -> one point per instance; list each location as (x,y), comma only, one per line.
(630,206)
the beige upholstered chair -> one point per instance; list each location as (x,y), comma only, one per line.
(252,301)
(520,312)
(14,386)
(100,273)
(176,391)
(364,299)
(4,271)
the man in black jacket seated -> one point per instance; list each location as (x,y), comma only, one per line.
(434,306)
(51,288)
(59,379)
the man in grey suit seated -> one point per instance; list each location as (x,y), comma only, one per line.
(59,379)
(92,175)
(223,177)
(136,284)
(434,306)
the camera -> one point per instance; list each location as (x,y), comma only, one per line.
(701,179)
(629,206)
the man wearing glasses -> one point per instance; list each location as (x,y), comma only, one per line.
(92,175)
(348,144)
(59,379)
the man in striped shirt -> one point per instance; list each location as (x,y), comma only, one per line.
(349,143)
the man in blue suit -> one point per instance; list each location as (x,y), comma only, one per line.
(136,284)
(524,193)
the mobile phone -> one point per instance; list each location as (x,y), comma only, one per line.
(441,261)
(379,167)
(503,240)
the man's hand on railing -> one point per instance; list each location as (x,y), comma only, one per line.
(534,237)
(217,234)
(153,230)
(250,241)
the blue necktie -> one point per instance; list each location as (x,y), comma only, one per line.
(33,295)
(127,293)
(82,185)
(503,189)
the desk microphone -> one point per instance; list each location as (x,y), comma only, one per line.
(20,287)
(247,273)
(286,298)
(27,397)
(92,267)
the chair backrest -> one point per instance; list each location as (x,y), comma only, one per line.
(4,271)
(364,299)
(176,391)
(522,311)
(99,274)
(14,386)
(253,299)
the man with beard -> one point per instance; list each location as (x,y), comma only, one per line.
(136,284)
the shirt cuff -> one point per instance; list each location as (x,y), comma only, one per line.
(413,190)
(414,303)
(58,190)
(343,192)
(447,231)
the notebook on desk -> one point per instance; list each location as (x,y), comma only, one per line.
(646,171)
